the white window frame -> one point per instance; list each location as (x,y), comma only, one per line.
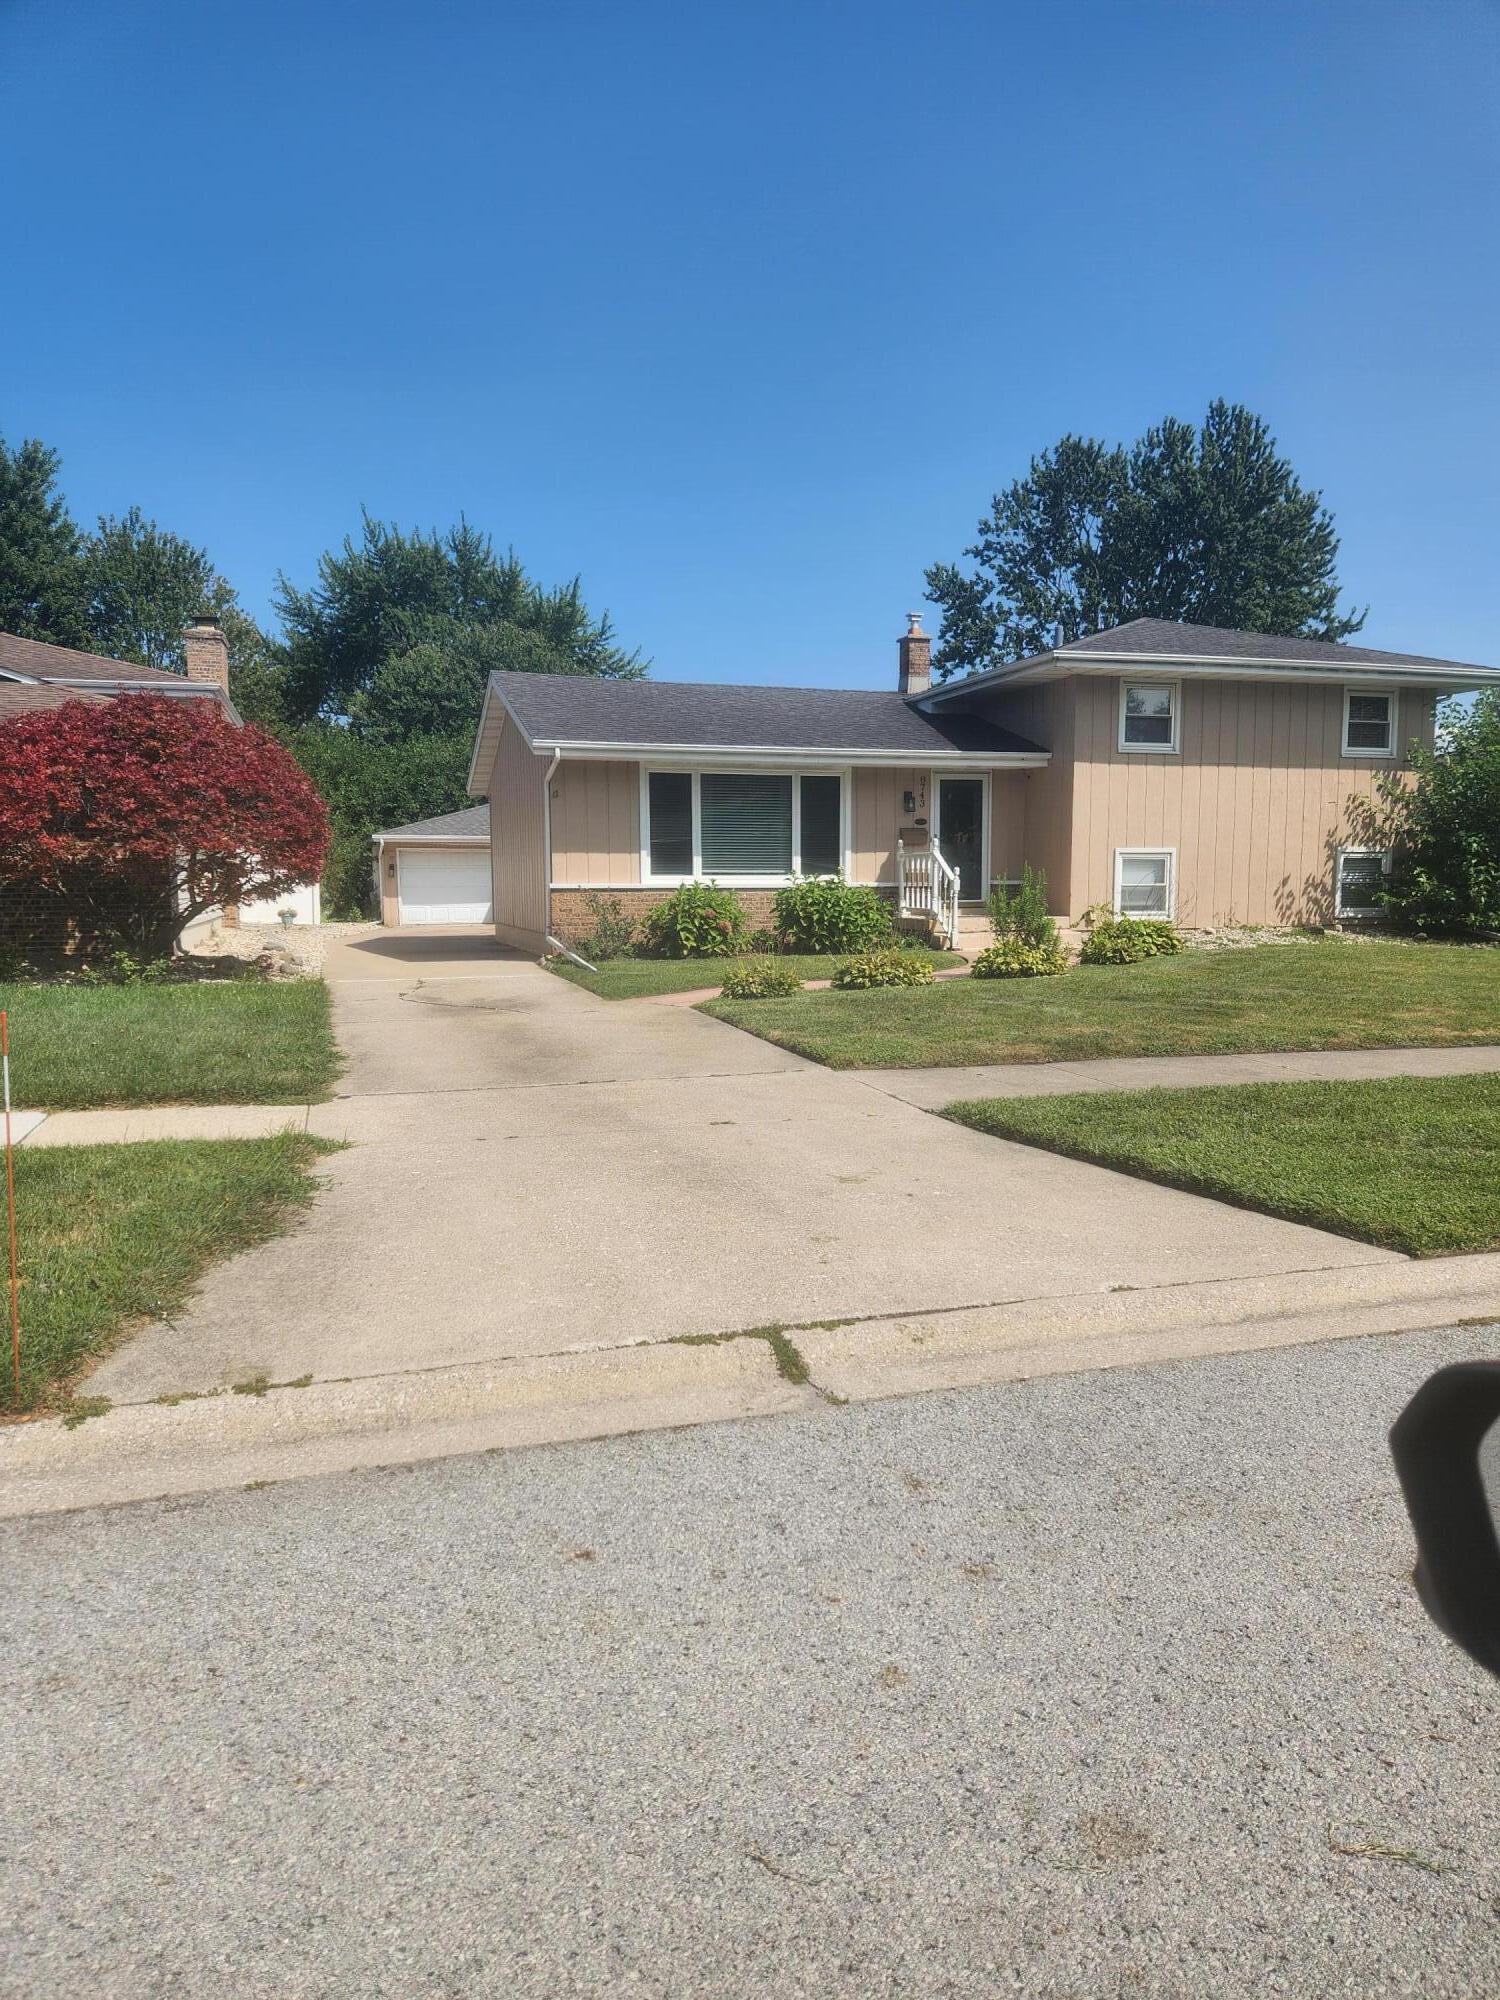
(1169,854)
(1360,750)
(697,772)
(1340,908)
(1171,749)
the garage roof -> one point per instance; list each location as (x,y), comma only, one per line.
(473,823)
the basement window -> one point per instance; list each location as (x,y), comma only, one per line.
(1363,872)
(1145,884)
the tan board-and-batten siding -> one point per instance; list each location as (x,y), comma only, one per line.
(518,843)
(1256,802)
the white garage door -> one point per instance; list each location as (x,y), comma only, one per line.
(444,885)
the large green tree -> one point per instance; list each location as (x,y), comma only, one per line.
(381,598)
(144,583)
(1208,524)
(42,593)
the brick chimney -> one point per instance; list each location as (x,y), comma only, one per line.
(207,651)
(916,657)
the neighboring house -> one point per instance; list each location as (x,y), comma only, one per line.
(1165,769)
(36,676)
(436,871)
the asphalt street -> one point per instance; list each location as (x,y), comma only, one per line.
(1109,1684)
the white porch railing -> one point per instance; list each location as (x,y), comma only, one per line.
(928,888)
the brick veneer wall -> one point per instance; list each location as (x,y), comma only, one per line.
(572,918)
(41,927)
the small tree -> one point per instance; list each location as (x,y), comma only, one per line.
(143,813)
(1445,828)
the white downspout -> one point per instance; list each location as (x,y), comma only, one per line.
(547,936)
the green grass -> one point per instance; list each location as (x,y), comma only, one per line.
(1332,994)
(638,978)
(112,1235)
(218,1042)
(1412,1163)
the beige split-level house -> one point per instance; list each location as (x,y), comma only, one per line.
(1165,769)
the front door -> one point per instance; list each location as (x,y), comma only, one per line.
(960,836)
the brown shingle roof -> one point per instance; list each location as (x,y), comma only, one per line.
(42,662)
(20,698)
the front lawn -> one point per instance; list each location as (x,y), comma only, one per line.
(111,1235)
(639,978)
(1335,993)
(1412,1163)
(214,1042)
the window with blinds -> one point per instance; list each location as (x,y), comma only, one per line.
(670,796)
(746,823)
(822,827)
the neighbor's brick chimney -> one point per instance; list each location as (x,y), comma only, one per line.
(207,651)
(916,657)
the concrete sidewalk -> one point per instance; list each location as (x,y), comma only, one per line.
(929,1089)
(933,1088)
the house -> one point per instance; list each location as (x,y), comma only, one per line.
(436,871)
(35,675)
(1165,769)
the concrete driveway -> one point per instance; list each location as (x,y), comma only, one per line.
(531,1170)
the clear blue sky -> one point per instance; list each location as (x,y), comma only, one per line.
(744,312)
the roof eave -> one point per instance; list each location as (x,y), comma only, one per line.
(584,750)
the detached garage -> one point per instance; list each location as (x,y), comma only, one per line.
(436,871)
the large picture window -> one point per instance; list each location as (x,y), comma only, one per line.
(747,823)
(761,827)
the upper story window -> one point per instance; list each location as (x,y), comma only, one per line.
(742,826)
(1148,715)
(1369,723)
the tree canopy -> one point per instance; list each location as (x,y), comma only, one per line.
(380,599)
(1206,524)
(42,592)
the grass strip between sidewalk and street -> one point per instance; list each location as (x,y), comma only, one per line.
(110,1236)
(640,978)
(80,1048)
(1333,993)
(1410,1163)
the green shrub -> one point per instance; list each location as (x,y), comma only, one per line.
(613,934)
(760,979)
(1445,828)
(1022,914)
(764,943)
(1014,958)
(884,968)
(1116,940)
(826,913)
(699,920)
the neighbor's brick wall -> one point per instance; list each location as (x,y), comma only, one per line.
(40,926)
